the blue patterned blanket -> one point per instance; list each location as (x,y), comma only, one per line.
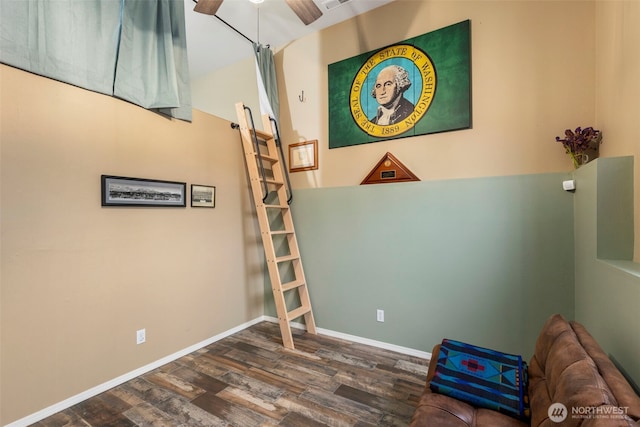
(482,377)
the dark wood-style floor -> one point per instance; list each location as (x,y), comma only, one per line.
(249,379)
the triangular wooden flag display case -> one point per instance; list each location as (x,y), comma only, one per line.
(389,169)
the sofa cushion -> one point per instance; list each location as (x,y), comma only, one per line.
(562,371)
(437,410)
(624,395)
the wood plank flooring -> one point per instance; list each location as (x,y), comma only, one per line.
(248,379)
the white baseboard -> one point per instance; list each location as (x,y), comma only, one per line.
(361,340)
(67,403)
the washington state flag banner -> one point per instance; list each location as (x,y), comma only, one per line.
(418,86)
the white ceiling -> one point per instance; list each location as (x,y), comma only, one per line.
(212,45)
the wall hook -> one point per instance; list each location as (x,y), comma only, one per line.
(301,96)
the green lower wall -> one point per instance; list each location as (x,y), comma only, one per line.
(480,260)
(607,299)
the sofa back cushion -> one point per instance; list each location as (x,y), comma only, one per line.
(562,371)
(623,392)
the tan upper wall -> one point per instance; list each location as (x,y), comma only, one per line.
(533,67)
(78,280)
(218,93)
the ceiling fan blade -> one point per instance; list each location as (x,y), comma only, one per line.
(306,10)
(208,7)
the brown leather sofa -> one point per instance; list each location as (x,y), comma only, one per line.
(568,367)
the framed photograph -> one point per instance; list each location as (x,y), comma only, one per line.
(125,191)
(203,196)
(303,156)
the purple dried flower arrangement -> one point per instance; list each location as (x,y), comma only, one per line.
(578,141)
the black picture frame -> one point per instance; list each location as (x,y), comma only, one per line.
(127,191)
(203,196)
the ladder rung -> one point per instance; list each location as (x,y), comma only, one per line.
(276,206)
(272,181)
(262,134)
(300,311)
(287,258)
(280,232)
(268,157)
(292,285)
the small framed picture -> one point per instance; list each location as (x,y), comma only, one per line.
(303,156)
(203,196)
(125,191)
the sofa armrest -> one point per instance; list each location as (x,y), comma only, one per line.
(432,363)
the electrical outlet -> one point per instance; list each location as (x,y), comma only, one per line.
(380,315)
(141,336)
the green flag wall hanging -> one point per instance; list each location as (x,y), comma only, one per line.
(418,86)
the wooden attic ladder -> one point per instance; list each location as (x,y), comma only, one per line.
(267,173)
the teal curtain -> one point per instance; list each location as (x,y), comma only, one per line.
(74,41)
(152,69)
(267,83)
(132,49)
